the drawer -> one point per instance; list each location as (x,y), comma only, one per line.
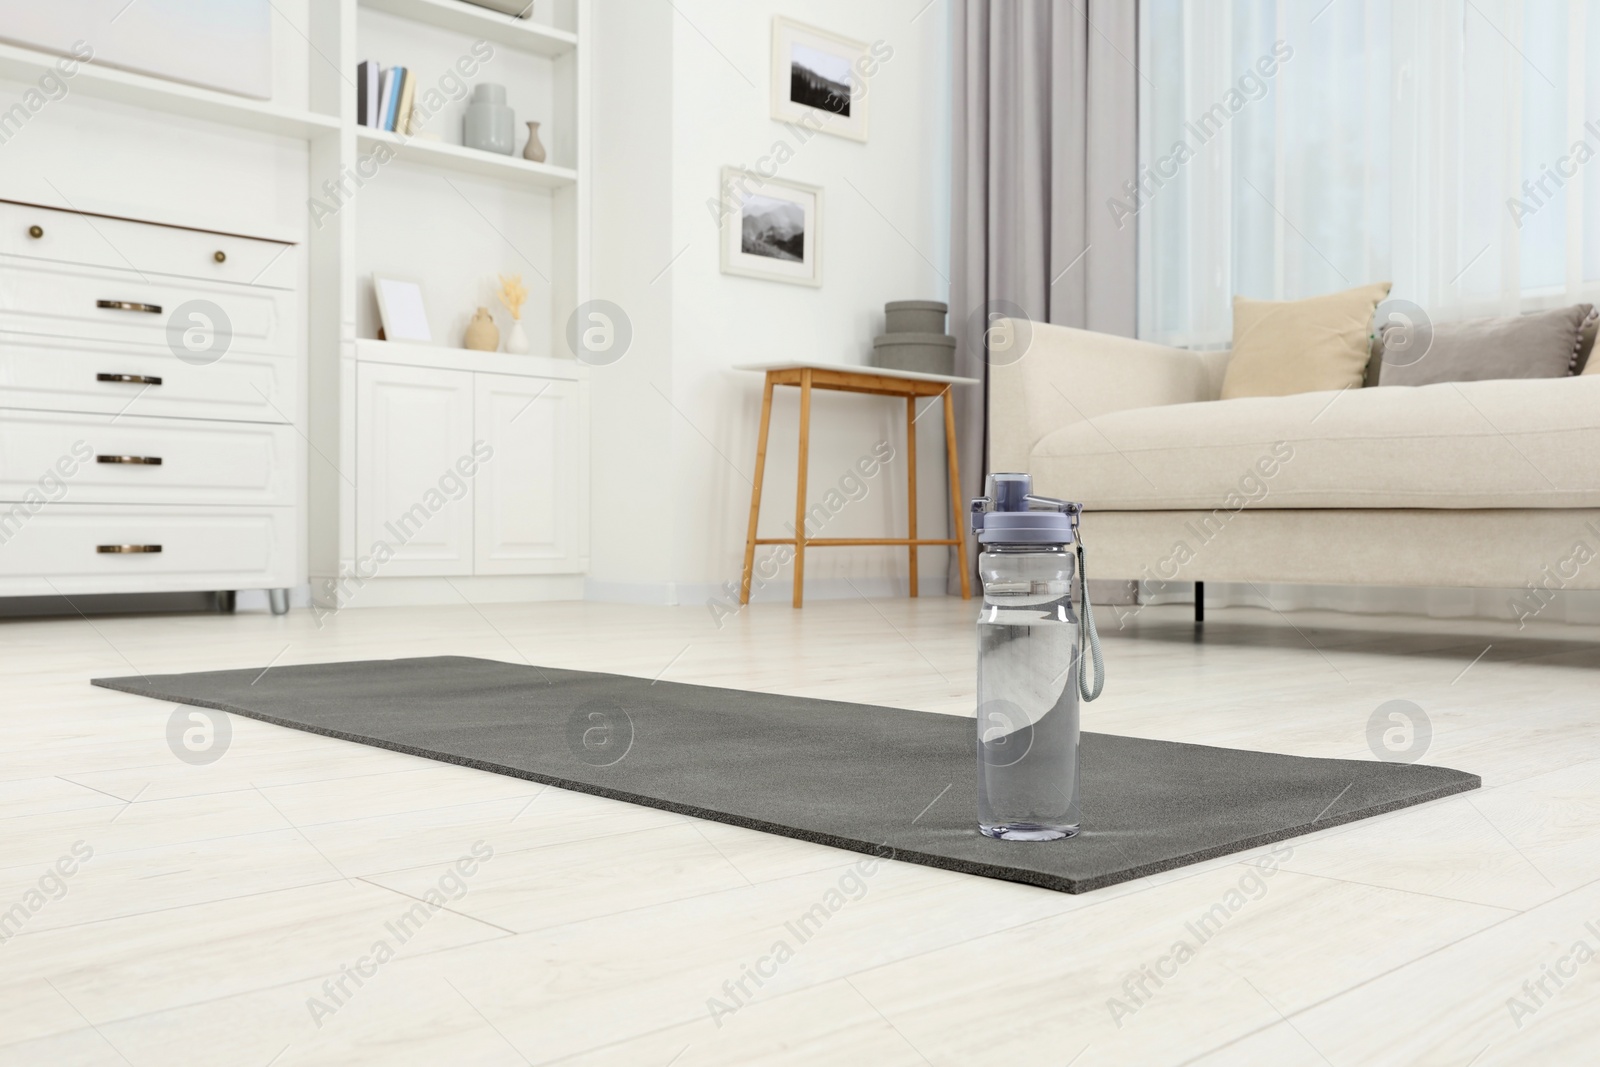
(48,374)
(91,459)
(149,248)
(202,321)
(57,549)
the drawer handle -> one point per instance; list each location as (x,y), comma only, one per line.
(36,232)
(126,550)
(128,305)
(143,461)
(131,379)
(220,256)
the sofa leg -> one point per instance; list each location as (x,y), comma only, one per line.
(1199,601)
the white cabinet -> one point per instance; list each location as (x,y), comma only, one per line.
(470,472)
(532,498)
(151,377)
(416,425)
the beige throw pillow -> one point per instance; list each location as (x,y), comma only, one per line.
(1282,347)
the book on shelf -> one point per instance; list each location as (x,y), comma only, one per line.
(385,99)
(408,88)
(394,98)
(366,93)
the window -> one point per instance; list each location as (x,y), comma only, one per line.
(1289,149)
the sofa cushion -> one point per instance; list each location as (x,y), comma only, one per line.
(1499,444)
(1587,364)
(1301,346)
(1543,344)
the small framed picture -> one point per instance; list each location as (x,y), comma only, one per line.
(771,228)
(820,79)
(401,311)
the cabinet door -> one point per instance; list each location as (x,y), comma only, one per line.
(413,443)
(532,495)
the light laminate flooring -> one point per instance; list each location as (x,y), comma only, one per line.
(232,912)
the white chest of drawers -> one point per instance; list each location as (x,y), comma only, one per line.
(150,386)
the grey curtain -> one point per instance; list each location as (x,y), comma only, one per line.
(1045,132)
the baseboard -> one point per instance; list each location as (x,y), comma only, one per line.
(427,592)
(669,594)
(656,594)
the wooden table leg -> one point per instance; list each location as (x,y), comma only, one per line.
(957,511)
(755,493)
(911,481)
(800,486)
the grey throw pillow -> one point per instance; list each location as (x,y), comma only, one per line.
(1544,344)
(1586,346)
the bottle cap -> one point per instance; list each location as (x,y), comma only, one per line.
(1010,514)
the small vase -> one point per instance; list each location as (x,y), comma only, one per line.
(487,125)
(517,339)
(534,152)
(482,334)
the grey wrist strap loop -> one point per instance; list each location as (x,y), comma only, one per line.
(1088,637)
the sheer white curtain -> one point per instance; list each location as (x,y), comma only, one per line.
(1296,147)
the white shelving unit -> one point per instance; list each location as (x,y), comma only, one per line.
(427,207)
(158,94)
(468,160)
(452,218)
(483,23)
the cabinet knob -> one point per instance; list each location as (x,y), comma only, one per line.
(131,379)
(220,256)
(128,305)
(36,232)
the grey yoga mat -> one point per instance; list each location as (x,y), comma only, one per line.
(854,776)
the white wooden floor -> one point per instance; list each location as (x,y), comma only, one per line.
(226,910)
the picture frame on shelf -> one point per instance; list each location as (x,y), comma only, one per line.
(771,228)
(820,79)
(402,312)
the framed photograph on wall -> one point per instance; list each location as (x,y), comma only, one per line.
(820,79)
(771,228)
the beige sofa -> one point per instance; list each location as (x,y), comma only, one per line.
(1482,484)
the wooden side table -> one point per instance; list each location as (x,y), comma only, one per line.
(854,379)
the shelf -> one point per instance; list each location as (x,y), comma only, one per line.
(468,160)
(440,357)
(481,22)
(175,98)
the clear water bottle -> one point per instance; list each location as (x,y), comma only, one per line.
(1031,639)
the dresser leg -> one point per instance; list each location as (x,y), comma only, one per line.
(279,599)
(224,599)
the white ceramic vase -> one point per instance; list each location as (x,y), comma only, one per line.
(517,339)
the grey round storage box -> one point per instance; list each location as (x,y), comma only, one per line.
(914,316)
(924,353)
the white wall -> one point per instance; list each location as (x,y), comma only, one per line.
(632,519)
(885,237)
(99,156)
